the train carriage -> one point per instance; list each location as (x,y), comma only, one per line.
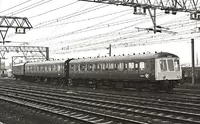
(133,70)
(18,70)
(47,70)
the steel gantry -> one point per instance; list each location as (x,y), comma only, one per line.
(27,51)
(19,23)
(140,7)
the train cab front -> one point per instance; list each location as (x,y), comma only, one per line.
(168,71)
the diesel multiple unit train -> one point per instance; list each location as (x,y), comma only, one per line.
(156,71)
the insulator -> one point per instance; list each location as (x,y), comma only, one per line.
(144,10)
(174,12)
(166,11)
(134,9)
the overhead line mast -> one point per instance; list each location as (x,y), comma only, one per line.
(173,6)
(19,23)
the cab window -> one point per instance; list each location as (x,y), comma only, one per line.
(170,65)
(163,65)
(176,65)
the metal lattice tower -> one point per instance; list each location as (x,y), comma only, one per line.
(19,23)
(27,51)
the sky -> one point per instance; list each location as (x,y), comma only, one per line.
(73,29)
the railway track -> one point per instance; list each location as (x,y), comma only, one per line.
(124,109)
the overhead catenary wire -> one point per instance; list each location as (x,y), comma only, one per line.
(88,19)
(98,39)
(41,14)
(15,6)
(53,21)
(34,5)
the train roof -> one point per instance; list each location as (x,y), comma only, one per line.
(19,64)
(46,62)
(125,58)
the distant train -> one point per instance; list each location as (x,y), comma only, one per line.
(155,71)
(187,74)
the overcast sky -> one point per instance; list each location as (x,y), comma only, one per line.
(72,28)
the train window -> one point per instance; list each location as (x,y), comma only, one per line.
(125,66)
(98,67)
(176,65)
(142,65)
(94,66)
(89,67)
(170,65)
(82,67)
(120,66)
(54,68)
(111,66)
(131,65)
(163,65)
(59,67)
(49,67)
(103,66)
(115,66)
(136,65)
(107,66)
(45,68)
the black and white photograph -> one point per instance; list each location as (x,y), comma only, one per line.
(99,62)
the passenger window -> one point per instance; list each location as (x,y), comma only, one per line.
(107,66)
(89,67)
(111,66)
(49,67)
(120,66)
(142,65)
(115,66)
(59,68)
(98,67)
(136,66)
(103,66)
(94,67)
(125,66)
(82,67)
(131,65)
(163,65)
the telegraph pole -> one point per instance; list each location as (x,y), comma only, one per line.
(193,65)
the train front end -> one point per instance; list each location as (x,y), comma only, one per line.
(167,70)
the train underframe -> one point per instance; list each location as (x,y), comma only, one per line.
(166,85)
